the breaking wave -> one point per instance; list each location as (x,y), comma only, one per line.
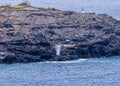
(72,61)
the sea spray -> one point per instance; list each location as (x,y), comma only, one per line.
(58,49)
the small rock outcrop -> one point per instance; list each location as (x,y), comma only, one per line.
(29,34)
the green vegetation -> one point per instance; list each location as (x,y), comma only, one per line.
(24,4)
(21,5)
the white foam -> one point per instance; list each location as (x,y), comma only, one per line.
(73,61)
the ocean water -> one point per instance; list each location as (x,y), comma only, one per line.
(86,72)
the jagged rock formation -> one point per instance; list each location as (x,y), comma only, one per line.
(30,34)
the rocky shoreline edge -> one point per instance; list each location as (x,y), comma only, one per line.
(30,34)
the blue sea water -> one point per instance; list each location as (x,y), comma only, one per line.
(87,72)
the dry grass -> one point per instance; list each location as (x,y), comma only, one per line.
(19,6)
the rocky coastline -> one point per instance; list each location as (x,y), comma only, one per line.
(30,34)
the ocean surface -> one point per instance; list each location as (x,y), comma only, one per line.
(85,72)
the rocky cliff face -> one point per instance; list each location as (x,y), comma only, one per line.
(30,35)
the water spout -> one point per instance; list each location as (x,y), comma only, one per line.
(58,49)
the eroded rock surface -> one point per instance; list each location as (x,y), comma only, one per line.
(30,35)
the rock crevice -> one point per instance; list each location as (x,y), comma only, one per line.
(31,35)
